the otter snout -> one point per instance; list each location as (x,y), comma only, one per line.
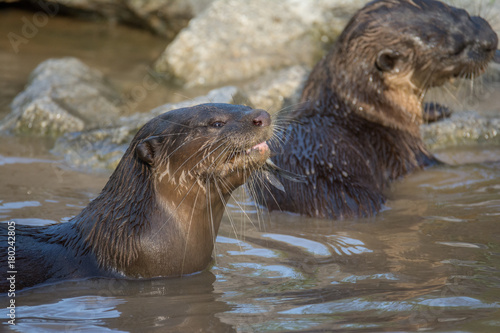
(261,118)
(485,38)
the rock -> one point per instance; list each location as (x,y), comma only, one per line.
(102,149)
(277,90)
(462,128)
(63,95)
(163,17)
(239,39)
(220,95)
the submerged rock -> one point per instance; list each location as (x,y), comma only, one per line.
(63,95)
(239,39)
(462,128)
(102,149)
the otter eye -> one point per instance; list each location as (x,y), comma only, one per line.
(218,124)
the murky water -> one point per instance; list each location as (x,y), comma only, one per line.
(429,262)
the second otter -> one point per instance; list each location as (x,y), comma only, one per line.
(358,128)
(160,211)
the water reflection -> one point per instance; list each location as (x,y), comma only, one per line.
(430,261)
(101,305)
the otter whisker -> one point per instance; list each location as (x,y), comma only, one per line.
(166,160)
(264,186)
(277,138)
(192,155)
(254,185)
(291,107)
(239,205)
(176,207)
(228,215)
(187,160)
(213,232)
(447,89)
(210,152)
(189,230)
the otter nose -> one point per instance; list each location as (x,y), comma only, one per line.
(261,118)
(486,38)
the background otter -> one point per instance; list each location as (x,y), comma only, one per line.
(358,126)
(160,211)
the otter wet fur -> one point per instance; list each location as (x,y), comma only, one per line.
(357,127)
(159,213)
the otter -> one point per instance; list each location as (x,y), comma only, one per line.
(357,127)
(159,213)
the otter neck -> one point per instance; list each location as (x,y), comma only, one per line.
(133,229)
(349,86)
(193,216)
(112,224)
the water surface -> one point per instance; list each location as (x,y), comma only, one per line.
(429,262)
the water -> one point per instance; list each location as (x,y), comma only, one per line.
(429,262)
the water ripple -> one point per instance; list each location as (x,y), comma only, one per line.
(463,244)
(312,247)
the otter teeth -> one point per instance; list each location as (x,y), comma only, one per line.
(260,147)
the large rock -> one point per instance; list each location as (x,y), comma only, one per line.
(239,39)
(277,90)
(164,17)
(63,95)
(102,149)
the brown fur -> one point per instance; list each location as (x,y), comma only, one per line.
(160,211)
(358,127)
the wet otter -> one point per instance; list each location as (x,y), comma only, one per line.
(160,211)
(358,127)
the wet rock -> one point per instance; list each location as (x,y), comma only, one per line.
(277,90)
(239,39)
(102,149)
(63,95)
(462,128)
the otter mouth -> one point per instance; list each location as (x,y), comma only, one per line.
(244,160)
(465,67)
(256,154)
(258,148)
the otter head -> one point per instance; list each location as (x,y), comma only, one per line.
(159,213)
(395,50)
(210,143)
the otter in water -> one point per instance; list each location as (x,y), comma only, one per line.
(357,128)
(159,213)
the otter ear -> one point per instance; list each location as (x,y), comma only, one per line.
(147,148)
(386,60)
